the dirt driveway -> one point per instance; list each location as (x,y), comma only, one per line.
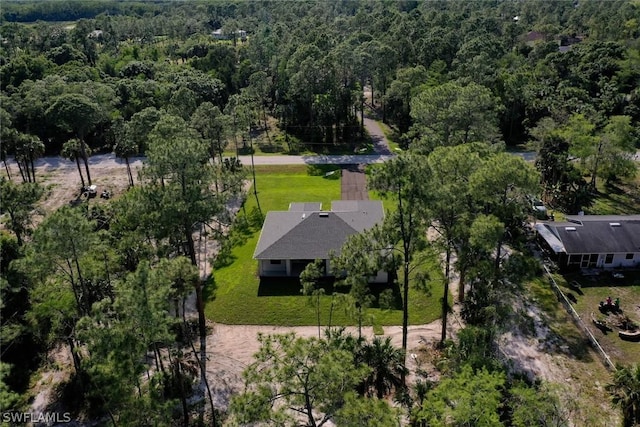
(354,183)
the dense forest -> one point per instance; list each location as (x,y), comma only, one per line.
(190,85)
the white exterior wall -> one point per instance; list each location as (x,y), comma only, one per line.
(619,260)
(381,277)
(266,268)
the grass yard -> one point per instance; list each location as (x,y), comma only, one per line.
(583,388)
(598,289)
(617,199)
(235,294)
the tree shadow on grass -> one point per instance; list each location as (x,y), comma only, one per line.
(244,227)
(326,171)
(289,286)
(209,288)
(386,295)
(618,199)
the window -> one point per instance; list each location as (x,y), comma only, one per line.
(275,261)
(575,259)
(629,256)
(608,259)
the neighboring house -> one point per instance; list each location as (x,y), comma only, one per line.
(533,37)
(566,42)
(96,34)
(593,241)
(221,35)
(292,239)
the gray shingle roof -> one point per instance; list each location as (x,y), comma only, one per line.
(595,235)
(313,235)
(305,207)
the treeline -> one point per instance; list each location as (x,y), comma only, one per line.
(318,57)
(63,10)
(454,80)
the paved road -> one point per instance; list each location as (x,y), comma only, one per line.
(100,161)
(347,159)
(380,142)
(109,160)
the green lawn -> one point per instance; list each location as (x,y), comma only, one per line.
(586,374)
(598,289)
(235,295)
(620,199)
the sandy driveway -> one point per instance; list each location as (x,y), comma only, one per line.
(230,349)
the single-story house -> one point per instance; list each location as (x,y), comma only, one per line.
(219,34)
(291,239)
(593,241)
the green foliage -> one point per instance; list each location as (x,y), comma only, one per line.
(468,398)
(306,63)
(387,367)
(625,393)
(533,406)
(311,287)
(8,398)
(117,335)
(452,114)
(366,412)
(475,348)
(295,373)
(18,200)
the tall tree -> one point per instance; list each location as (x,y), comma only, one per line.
(27,149)
(398,98)
(502,183)
(125,145)
(401,179)
(449,208)
(7,136)
(212,125)
(55,261)
(181,189)
(79,115)
(452,113)
(616,150)
(580,133)
(562,182)
(260,89)
(310,281)
(71,151)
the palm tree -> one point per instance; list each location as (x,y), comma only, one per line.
(387,367)
(625,393)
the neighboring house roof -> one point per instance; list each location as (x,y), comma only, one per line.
(305,207)
(593,234)
(534,36)
(306,232)
(95,34)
